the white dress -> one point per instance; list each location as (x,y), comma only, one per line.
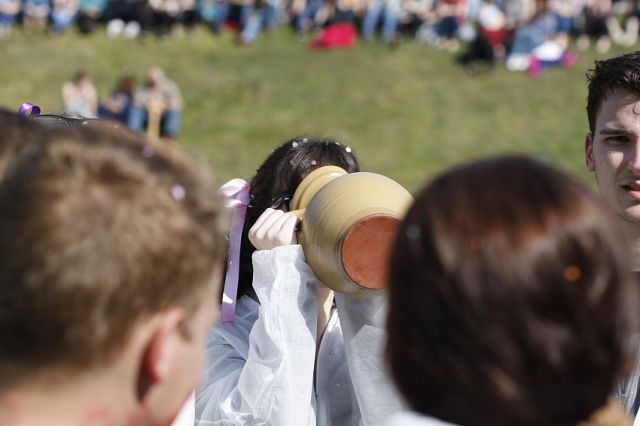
(263,369)
(414,419)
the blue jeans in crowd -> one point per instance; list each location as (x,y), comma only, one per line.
(222,12)
(266,17)
(169,123)
(308,14)
(371,18)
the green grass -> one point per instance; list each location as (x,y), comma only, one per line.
(408,112)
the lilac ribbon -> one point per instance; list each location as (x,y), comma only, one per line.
(237,191)
(29,109)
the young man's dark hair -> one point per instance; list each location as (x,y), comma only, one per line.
(620,72)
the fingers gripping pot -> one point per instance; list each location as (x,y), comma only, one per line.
(348,226)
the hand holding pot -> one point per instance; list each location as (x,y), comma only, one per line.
(273,228)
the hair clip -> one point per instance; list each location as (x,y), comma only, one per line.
(572,273)
(294,144)
(314,163)
(347,149)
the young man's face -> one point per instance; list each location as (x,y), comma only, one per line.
(613,153)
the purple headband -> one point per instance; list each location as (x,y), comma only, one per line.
(29,109)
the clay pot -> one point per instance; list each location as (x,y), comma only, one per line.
(349,223)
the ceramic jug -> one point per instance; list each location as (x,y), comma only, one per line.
(348,226)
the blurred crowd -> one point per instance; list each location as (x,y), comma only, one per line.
(527,34)
(512,30)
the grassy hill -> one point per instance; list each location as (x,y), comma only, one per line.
(409,112)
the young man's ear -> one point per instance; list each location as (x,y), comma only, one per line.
(160,350)
(588,152)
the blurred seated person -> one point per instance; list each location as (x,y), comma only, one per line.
(9,11)
(338,20)
(35,14)
(117,105)
(489,40)
(599,20)
(126,17)
(63,13)
(381,12)
(540,28)
(164,15)
(157,104)
(518,313)
(80,97)
(90,13)
(264,17)
(190,16)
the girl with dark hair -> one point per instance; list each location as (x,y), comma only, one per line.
(515,313)
(293,356)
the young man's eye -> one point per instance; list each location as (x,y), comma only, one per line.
(618,139)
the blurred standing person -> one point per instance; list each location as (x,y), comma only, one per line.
(80,96)
(158,104)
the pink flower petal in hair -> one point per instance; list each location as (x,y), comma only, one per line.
(237,192)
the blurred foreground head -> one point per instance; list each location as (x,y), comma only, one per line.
(510,298)
(109,261)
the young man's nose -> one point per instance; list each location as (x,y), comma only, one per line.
(634,158)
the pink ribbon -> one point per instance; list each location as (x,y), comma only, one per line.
(237,191)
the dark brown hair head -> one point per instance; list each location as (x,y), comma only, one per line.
(510,298)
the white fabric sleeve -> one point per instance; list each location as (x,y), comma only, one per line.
(262,373)
(363,328)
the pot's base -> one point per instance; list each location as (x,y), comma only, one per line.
(366,248)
